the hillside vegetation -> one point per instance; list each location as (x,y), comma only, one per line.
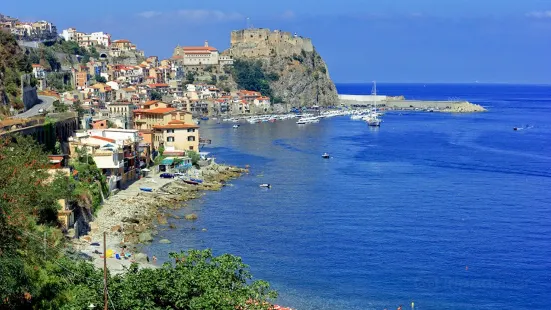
(38,269)
(13,63)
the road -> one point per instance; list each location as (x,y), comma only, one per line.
(46,104)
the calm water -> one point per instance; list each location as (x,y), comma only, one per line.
(451,211)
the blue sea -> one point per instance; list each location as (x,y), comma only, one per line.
(448,211)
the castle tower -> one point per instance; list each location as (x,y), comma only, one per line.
(206,43)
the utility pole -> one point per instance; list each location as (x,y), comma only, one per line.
(45,244)
(104,272)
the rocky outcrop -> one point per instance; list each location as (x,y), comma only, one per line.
(465,107)
(302,77)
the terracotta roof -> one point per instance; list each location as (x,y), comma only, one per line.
(158,85)
(198,48)
(177,57)
(194,52)
(121,41)
(103,138)
(176,124)
(156,111)
(37,66)
(150,102)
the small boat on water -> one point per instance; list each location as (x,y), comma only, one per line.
(265,185)
(325,155)
(236,126)
(204,118)
(308,120)
(146,189)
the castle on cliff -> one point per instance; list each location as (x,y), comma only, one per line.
(261,42)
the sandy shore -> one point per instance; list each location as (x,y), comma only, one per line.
(128,217)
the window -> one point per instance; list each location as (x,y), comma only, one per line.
(170,131)
(191,138)
(191,130)
(191,147)
(173,116)
(182,117)
(169,139)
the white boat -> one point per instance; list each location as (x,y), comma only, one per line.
(265,185)
(308,120)
(325,155)
(235,126)
(373,118)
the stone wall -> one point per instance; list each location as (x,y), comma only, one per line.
(266,43)
(30,97)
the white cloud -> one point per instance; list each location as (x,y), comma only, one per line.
(288,14)
(209,15)
(539,14)
(149,14)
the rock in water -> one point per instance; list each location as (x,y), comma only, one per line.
(191,217)
(130,220)
(145,237)
(296,72)
(140,258)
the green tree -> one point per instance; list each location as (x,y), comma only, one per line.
(28,209)
(213,80)
(100,79)
(190,77)
(250,75)
(94,52)
(195,157)
(77,107)
(155,95)
(59,107)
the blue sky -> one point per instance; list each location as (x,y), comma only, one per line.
(492,41)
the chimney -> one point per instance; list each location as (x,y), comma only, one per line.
(206,43)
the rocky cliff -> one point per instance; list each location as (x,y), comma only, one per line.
(302,77)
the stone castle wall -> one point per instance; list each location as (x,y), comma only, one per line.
(265,43)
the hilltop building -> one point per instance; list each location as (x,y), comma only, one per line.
(87,39)
(200,55)
(261,42)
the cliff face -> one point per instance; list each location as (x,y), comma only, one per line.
(13,64)
(303,78)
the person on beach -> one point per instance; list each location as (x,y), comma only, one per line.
(154,259)
(399,308)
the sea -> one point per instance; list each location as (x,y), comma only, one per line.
(448,211)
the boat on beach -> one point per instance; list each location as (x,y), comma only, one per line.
(146,189)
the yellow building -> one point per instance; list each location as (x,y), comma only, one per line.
(147,118)
(177,135)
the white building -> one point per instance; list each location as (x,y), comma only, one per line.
(101,38)
(85,39)
(69,34)
(197,55)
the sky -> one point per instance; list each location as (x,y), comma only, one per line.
(402,41)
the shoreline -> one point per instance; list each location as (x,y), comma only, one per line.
(130,217)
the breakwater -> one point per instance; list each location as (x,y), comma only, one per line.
(400,103)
